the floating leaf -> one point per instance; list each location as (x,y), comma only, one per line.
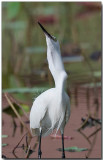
(73,149)
(4,144)
(4,136)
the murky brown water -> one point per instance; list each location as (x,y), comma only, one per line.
(49,146)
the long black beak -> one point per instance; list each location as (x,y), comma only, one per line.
(54,39)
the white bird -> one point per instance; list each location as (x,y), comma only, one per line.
(51,109)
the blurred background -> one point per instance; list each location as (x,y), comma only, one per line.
(77,26)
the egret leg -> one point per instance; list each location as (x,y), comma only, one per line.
(39,149)
(63,152)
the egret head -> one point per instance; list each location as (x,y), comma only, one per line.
(51,40)
(47,34)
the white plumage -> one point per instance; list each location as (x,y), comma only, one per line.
(51,109)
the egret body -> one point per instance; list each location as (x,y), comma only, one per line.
(51,109)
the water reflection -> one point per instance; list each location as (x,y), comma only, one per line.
(78,94)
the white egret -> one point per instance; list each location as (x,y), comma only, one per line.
(51,109)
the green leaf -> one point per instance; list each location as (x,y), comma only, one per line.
(8,110)
(13,9)
(4,136)
(4,144)
(25,107)
(73,149)
(35,90)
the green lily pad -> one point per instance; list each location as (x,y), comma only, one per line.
(4,136)
(25,107)
(4,144)
(73,149)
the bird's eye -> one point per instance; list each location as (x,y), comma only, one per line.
(54,38)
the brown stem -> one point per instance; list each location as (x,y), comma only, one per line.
(18,145)
(94,132)
(19,106)
(85,137)
(92,145)
(17,114)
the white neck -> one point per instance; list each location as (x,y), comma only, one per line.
(60,82)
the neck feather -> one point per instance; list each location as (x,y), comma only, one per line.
(60,82)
